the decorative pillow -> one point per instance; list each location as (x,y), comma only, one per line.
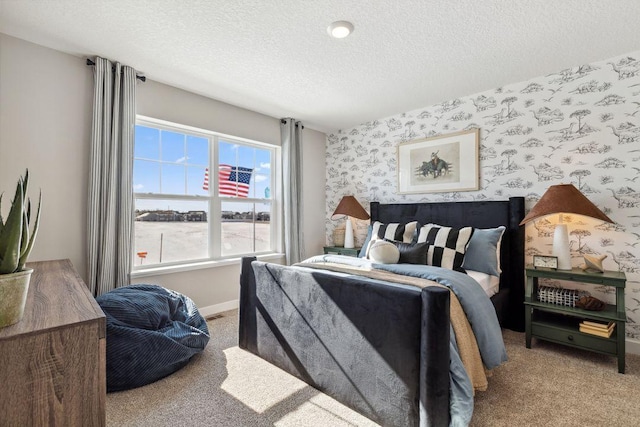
(412,253)
(447,245)
(365,245)
(393,231)
(384,252)
(483,252)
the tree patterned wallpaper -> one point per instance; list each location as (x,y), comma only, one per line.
(580,125)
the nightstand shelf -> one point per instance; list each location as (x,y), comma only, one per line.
(560,324)
(609,312)
(339,250)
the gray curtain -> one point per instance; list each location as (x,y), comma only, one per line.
(110,210)
(291,135)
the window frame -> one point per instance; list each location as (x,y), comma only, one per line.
(215,201)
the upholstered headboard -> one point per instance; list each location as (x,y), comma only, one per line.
(479,214)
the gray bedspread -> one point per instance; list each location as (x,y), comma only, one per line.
(479,311)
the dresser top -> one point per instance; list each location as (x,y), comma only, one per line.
(57,298)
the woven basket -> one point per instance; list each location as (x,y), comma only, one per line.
(560,296)
(338,236)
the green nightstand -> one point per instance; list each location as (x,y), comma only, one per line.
(339,250)
(560,324)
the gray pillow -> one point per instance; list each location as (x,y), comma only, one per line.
(483,252)
(363,250)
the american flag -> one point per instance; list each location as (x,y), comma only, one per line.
(233,180)
(205,184)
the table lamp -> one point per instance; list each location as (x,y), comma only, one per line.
(563,199)
(349,207)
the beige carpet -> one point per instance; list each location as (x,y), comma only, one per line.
(548,385)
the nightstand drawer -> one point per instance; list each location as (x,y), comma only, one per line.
(575,338)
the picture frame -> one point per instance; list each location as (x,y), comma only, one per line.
(443,163)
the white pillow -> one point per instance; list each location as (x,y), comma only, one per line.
(490,284)
(384,252)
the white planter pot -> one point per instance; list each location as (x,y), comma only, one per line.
(13,295)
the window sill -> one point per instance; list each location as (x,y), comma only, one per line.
(171,269)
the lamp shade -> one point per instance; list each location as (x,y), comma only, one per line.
(349,206)
(564,198)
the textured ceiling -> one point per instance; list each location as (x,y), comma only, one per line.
(275,57)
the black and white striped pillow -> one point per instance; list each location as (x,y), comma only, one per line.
(393,231)
(447,245)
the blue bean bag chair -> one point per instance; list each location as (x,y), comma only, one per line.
(151,333)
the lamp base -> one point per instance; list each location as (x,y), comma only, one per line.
(348,235)
(561,247)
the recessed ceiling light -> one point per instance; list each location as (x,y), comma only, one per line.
(340,29)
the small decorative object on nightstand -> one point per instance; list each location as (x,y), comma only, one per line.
(339,250)
(338,236)
(545,261)
(593,264)
(565,325)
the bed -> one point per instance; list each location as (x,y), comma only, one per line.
(383,347)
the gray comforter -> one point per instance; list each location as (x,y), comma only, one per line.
(479,311)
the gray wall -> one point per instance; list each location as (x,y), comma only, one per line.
(45,123)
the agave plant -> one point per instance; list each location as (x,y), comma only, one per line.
(16,241)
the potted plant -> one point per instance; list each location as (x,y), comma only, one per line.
(16,242)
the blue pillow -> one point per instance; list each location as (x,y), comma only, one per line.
(363,250)
(483,252)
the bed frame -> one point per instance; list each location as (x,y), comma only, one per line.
(481,214)
(379,348)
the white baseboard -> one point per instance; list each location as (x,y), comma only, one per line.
(210,310)
(632,346)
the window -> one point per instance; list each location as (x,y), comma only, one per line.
(179,215)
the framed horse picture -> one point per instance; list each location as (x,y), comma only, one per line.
(439,163)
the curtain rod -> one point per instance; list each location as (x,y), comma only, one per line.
(141,78)
(283,121)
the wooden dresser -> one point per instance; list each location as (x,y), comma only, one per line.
(53,362)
